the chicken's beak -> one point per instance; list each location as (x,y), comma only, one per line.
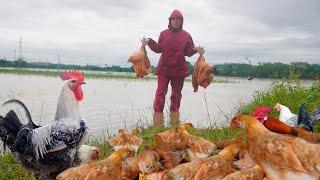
(83,83)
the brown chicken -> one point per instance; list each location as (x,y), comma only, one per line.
(198,147)
(275,125)
(202,73)
(110,167)
(163,175)
(252,173)
(75,173)
(148,161)
(171,146)
(130,168)
(140,62)
(145,162)
(244,162)
(126,140)
(224,143)
(180,139)
(215,167)
(280,156)
(309,136)
(173,139)
(171,159)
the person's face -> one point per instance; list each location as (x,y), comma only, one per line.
(175,22)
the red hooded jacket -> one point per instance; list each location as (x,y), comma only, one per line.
(174,44)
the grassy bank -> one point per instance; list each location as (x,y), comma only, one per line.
(287,93)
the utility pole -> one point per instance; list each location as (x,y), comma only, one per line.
(20,48)
(59,61)
(14,54)
(58,58)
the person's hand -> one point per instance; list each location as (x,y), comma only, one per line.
(144,41)
(199,49)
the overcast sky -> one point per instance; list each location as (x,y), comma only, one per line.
(107,31)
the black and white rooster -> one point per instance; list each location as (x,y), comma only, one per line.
(48,150)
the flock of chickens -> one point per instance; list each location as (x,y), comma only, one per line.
(258,153)
(202,73)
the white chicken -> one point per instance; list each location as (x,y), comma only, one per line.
(286,116)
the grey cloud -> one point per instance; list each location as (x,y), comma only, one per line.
(107,32)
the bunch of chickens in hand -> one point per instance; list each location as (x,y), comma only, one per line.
(203,72)
(48,150)
(140,60)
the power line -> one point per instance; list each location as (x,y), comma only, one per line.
(14,54)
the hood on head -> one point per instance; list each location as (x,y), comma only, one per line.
(178,14)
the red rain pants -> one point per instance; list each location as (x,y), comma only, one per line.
(176,86)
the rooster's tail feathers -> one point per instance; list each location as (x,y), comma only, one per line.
(9,128)
(21,104)
(304,118)
(11,123)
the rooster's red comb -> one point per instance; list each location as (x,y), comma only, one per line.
(261,111)
(72,74)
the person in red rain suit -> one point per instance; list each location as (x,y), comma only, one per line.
(174,43)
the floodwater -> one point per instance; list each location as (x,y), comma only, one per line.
(110,104)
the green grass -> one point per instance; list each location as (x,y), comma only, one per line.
(9,169)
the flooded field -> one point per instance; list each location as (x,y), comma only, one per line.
(110,104)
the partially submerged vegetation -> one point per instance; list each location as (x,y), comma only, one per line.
(88,74)
(56,73)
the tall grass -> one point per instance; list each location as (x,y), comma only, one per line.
(9,169)
(288,93)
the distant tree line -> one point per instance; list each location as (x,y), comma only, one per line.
(270,70)
(262,70)
(23,64)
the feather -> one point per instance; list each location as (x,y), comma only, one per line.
(56,136)
(304,119)
(68,106)
(21,104)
